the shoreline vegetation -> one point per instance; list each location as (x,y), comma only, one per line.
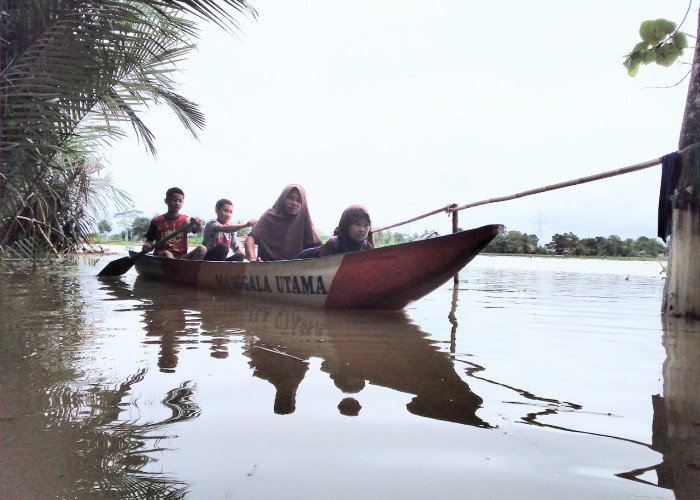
(584,257)
(506,243)
(569,244)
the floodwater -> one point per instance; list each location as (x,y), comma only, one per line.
(536,378)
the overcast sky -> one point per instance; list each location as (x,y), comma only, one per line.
(407,106)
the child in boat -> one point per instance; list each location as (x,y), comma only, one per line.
(283,230)
(350,235)
(220,236)
(172,220)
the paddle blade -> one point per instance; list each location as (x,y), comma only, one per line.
(117,267)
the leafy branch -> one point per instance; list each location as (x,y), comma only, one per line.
(662,43)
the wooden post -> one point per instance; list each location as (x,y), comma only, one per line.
(452,317)
(455,228)
(682,288)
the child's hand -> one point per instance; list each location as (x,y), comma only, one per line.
(252,222)
(197,227)
(146,247)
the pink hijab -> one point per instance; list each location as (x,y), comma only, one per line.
(281,236)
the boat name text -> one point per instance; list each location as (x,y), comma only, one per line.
(283,284)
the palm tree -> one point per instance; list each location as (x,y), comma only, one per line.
(71,74)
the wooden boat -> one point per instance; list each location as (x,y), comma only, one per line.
(383,278)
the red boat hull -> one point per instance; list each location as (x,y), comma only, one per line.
(384,278)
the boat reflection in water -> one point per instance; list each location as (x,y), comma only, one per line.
(356,348)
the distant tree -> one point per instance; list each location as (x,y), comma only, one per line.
(379,239)
(139,227)
(613,246)
(384,238)
(513,242)
(600,244)
(563,244)
(517,242)
(127,216)
(497,245)
(626,250)
(104,227)
(399,238)
(587,247)
(648,247)
(533,241)
(523,242)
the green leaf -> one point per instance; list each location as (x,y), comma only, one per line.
(667,54)
(649,33)
(653,32)
(632,63)
(648,56)
(666,26)
(680,41)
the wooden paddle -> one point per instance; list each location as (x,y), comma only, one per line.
(120,266)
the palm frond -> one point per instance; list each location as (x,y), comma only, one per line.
(72,73)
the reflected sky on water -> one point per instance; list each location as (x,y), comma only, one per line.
(534,378)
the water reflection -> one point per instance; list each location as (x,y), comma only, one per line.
(357,348)
(676,425)
(677,413)
(62,436)
(67,427)
(168,322)
(115,452)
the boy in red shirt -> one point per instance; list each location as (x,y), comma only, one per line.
(172,220)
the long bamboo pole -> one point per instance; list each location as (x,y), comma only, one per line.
(604,175)
(446,209)
(582,180)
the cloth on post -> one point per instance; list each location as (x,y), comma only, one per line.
(670,171)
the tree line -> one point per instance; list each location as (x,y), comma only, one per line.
(516,242)
(506,242)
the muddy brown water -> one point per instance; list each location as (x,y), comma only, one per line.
(532,379)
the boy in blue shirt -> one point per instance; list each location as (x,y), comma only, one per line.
(220,236)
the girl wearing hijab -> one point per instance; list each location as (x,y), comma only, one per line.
(350,235)
(283,230)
